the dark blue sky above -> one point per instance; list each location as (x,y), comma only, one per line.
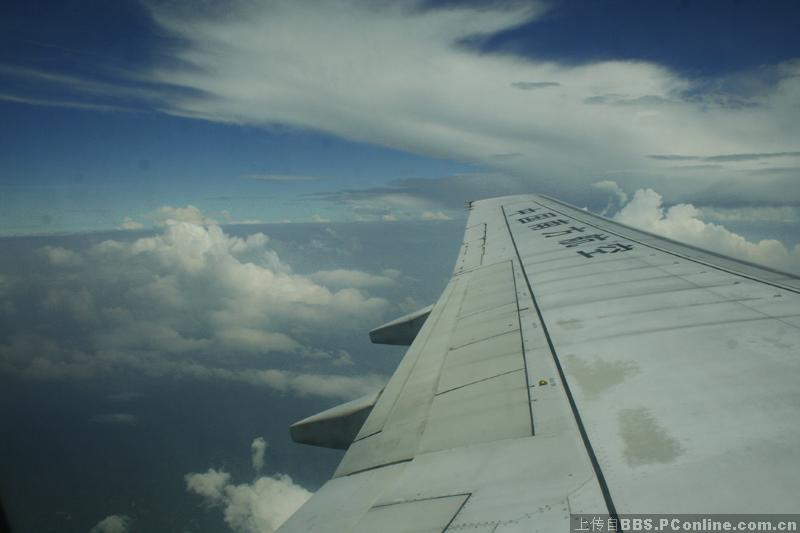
(96,38)
(698,38)
(86,37)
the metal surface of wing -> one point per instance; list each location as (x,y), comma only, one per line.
(576,365)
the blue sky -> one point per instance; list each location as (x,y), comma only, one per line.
(204,207)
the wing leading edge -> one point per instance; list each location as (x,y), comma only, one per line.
(575,365)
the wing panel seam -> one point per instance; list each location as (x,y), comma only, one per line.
(481,381)
(581,428)
(522,343)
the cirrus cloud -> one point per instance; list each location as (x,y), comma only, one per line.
(358,74)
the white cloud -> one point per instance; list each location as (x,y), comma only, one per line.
(683,222)
(258,507)
(263,506)
(115,523)
(258,447)
(129,224)
(358,74)
(319,218)
(210,485)
(256,340)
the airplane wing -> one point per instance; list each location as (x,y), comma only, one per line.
(574,365)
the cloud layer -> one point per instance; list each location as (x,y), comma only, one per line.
(190,301)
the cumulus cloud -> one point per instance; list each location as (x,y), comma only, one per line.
(258,507)
(684,222)
(190,301)
(258,447)
(210,485)
(115,523)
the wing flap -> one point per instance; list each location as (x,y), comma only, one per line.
(491,409)
(431,515)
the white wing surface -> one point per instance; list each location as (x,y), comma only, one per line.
(576,365)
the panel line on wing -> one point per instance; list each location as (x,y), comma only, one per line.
(456,347)
(581,428)
(376,467)
(522,346)
(481,380)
